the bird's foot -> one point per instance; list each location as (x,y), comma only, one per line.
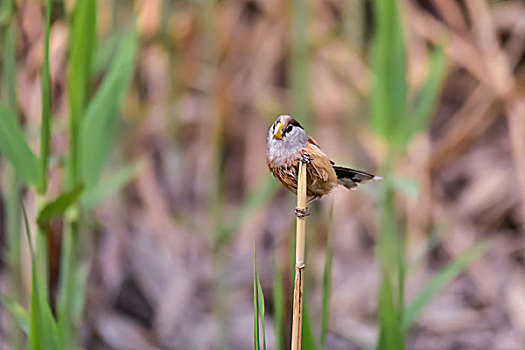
(301,213)
(305,158)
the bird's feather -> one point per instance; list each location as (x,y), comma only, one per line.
(351,178)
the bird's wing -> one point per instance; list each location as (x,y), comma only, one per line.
(319,167)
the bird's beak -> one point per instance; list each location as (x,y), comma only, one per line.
(278,133)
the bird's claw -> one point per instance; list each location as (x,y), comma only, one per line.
(301,213)
(305,158)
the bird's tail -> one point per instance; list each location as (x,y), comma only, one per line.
(351,178)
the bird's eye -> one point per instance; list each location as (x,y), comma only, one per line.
(288,128)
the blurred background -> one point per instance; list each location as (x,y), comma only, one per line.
(169,257)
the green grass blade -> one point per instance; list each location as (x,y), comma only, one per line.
(260,302)
(59,205)
(307,333)
(390,334)
(14,147)
(278,307)
(390,252)
(112,184)
(6,11)
(49,325)
(28,234)
(106,51)
(35,337)
(43,331)
(450,272)
(256,337)
(71,302)
(45,127)
(98,126)
(388,97)
(327,289)
(67,286)
(427,96)
(83,45)
(79,293)
(17,311)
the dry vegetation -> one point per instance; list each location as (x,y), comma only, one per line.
(172,253)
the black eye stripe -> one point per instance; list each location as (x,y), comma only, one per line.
(294,123)
(288,129)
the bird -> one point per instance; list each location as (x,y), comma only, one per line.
(288,144)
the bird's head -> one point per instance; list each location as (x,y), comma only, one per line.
(286,128)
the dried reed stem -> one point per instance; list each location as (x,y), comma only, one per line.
(297,317)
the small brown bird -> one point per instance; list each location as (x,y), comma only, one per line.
(288,144)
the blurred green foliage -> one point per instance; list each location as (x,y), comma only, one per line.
(93,125)
(396,121)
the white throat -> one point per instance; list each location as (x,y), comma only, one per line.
(287,149)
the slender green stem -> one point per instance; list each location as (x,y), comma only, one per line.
(327,284)
(45,128)
(67,282)
(42,251)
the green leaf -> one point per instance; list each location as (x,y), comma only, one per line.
(42,326)
(278,307)
(258,306)
(43,331)
(112,184)
(6,11)
(45,127)
(427,96)
(17,311)
(14,147)
(35,336)
(59,206)
(98,126)
(260,302)
(256,341)
(106,51)
(70,249)
(83,45)
(388,97)
(327,289)
(390,252)
(446,275)
(307,333)
(79,290)
(390,334)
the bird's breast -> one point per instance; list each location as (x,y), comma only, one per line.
(279,155)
